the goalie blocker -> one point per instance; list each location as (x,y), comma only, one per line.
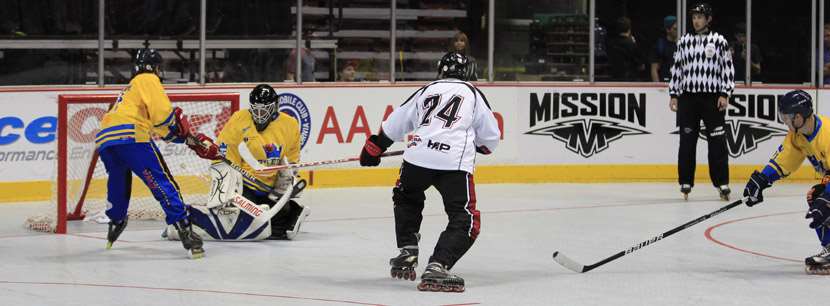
(232,213)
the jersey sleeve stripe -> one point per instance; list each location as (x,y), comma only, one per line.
(777,167)
(166,121)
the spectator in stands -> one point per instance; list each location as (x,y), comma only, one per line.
(623,55)
(826,53)
(460,42)
(739,55)
(349,72)
(662,55)
(308,63)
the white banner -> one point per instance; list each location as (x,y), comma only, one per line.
(541,124)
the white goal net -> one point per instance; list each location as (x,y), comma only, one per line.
(79,186)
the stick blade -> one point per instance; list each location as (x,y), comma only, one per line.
(566,262)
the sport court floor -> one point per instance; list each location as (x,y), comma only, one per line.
(745,256)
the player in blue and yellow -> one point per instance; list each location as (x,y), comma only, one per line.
(125,144)
(808,138)
(262,134)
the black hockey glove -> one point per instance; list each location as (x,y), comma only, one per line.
(374,147)
(754,190)
(819,210)
(483,150)
(814,193)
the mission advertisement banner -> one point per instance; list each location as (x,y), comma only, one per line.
(634,125)
(539,124)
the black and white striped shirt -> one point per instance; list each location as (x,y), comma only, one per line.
(702,64)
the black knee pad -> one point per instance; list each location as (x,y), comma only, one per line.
(686,131)
(400,196)
(716,132)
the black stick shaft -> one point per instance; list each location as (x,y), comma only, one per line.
(663,235)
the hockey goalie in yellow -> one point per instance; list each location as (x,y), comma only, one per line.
(259,135)
(808,138)
(242,142)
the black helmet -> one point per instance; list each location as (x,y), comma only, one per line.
(701,8)
(147,60)
(796,102)
(453,65)
(263,100)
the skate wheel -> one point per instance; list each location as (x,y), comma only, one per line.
(429,287)
(816,270)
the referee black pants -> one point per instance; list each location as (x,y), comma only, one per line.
(457,190)
(691,109)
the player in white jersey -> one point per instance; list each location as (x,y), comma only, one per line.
(449,121)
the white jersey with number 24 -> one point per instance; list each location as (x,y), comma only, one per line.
(448,120)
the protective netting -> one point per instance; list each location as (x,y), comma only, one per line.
(85,177)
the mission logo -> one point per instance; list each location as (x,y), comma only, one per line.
(587,123)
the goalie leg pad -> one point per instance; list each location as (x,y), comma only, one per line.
(286,224)
(294,227)
(224,223)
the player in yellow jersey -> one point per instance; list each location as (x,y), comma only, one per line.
(808,138)
(125,145)
(259,135)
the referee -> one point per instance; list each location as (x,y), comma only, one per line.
(702,78)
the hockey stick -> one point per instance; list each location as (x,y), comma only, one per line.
(572,265)
(271,169)
(192,140)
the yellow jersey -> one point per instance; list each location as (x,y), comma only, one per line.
(797,147)
(281,138)
(141,111)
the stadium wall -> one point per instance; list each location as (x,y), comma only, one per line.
(551,132)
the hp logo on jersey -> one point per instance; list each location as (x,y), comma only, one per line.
(438,146)
(295,107)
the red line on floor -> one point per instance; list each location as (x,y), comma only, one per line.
(708,234)
(189,290)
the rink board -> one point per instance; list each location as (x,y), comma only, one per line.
(551,132)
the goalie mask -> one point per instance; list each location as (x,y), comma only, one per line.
(263,101)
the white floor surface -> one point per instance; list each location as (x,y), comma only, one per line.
(745,256)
